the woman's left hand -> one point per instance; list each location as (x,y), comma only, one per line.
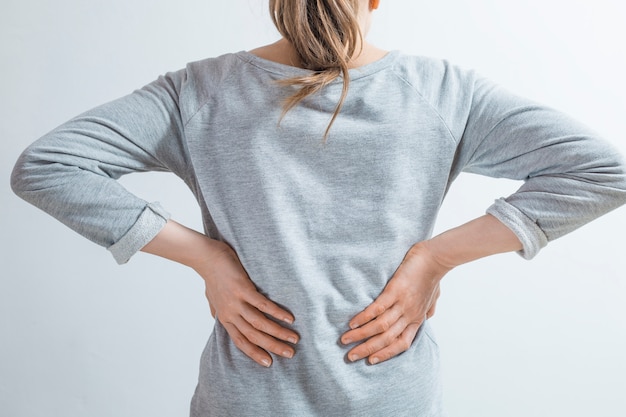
(391,322)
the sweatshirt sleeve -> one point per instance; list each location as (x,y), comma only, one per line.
(71,172)
(570,175)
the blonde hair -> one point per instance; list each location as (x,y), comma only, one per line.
(326,35)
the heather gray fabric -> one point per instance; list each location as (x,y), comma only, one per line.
(320,228)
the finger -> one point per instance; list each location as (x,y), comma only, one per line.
(267,326)
(263,340)
(400,345)
(249,349)
(265,305)
(384,301)
(378,342)
(431,312)
(379,325)
(433,307)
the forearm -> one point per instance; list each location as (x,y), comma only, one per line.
(476,239)
(183,245)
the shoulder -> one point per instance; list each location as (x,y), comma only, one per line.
(202,77)
(213,70)
(435,78)
(447,88)
(194,85)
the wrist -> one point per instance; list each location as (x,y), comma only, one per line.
(436,258)
(205,254)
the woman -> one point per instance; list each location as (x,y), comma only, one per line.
(319,163)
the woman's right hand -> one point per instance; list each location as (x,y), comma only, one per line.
(233,298)
(241,309)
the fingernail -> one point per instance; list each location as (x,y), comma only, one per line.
(346,341)
(288,354)
(374,361)
(353,326)
(266,363)
(288,320)
(292,340)
(353,357)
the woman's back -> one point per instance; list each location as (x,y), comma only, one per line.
(320,228)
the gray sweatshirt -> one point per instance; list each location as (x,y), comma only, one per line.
(319,227)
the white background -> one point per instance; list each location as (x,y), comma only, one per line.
(81,336)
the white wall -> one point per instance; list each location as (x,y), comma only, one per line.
(80,336)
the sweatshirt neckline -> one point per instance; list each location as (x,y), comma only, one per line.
(291,71)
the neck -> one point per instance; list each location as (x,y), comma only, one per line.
(284,53)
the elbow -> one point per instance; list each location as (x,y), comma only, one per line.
(19,176)
(607,168)
(622,187)
(29,174)
(619,167)
(616,180)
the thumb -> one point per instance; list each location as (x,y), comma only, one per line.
(433,306)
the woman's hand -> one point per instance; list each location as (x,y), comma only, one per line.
(236,303)
(232,296)
(391,322)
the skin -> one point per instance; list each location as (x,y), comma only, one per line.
(283,52)
(385,328)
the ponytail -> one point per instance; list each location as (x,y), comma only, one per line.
(326,35)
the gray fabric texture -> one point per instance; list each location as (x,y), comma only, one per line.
(320,227)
